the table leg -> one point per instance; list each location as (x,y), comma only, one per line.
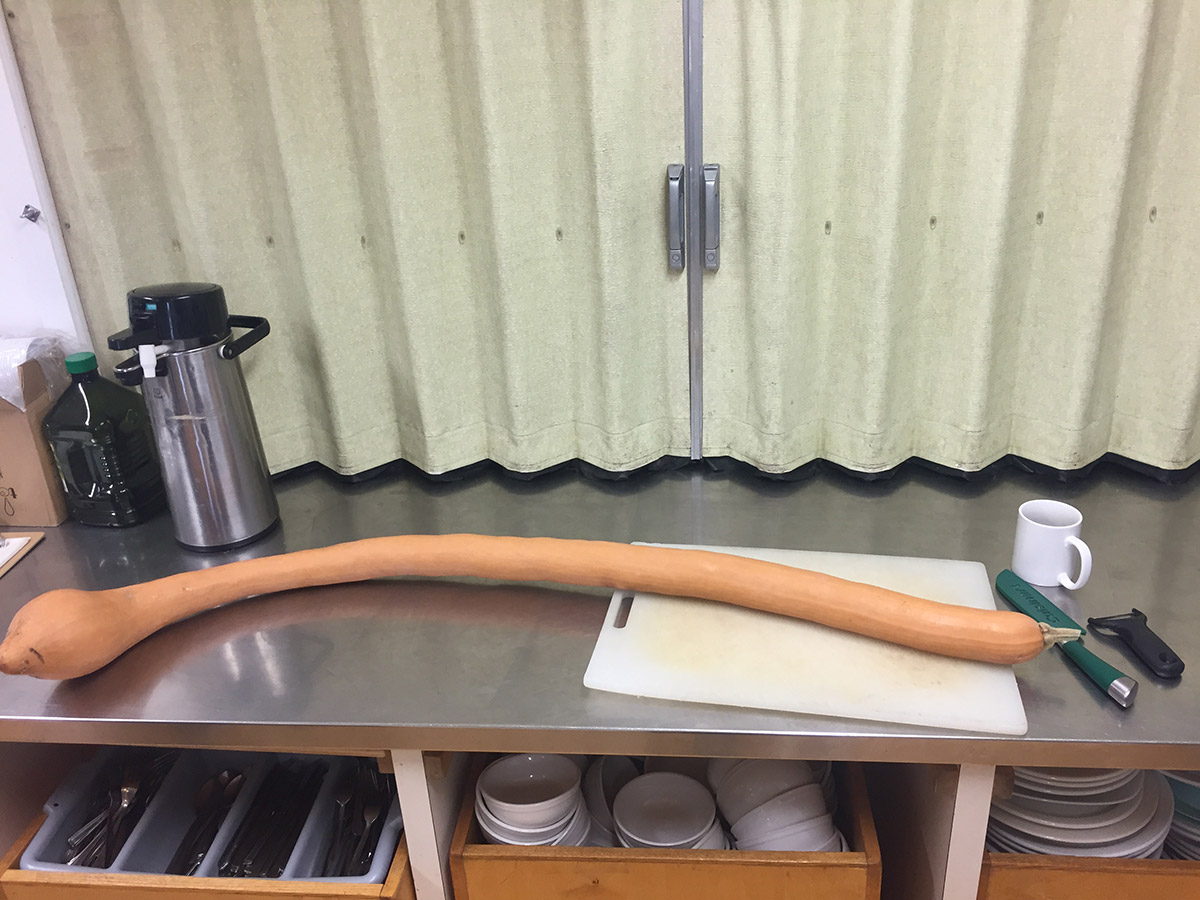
(931,821)
(429,797)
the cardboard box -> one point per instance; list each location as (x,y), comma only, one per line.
(30,490)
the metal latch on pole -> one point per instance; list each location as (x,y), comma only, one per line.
(675,219)
(710,215)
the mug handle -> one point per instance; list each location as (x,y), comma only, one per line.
(1085,565)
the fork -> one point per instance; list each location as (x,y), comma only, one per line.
(88,856)
(129,790)
(84,834)
(344,794)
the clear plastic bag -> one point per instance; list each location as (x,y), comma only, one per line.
(49,348)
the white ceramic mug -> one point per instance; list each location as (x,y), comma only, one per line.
(1047,530)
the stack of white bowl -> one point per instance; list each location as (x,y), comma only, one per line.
(1183,841)
(777,804)
(603,781)
(665,810)
(532,799)
(1119,813)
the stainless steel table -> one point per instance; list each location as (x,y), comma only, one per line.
(449,665)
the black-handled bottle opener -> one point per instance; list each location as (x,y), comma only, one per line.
(1132,628)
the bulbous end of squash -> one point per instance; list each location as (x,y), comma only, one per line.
(17,659)
(60,634)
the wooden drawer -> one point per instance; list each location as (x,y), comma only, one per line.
(481,871)
(17,884)
(1018,876)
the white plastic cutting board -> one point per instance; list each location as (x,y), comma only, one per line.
(703,652)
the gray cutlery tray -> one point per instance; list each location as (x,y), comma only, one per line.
(154,839)
(66,810)
(314,840)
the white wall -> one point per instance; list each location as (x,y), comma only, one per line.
(37,289)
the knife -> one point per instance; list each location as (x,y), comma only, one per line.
(1029,600)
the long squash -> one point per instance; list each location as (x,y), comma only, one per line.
(68,633)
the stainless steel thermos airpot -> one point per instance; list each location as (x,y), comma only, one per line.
(214,468)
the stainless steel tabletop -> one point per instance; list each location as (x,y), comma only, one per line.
(445,665)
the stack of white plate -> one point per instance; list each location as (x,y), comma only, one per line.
(532,799)
(1183,841)
(666,809)
(1122,813)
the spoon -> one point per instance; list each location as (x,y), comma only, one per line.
(202,802)
(204,842)
(371,812)
(212,798)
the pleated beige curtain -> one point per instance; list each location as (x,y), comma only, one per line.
(450,212)
(951,229)
(954,230)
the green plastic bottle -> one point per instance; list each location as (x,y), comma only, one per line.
(104,448)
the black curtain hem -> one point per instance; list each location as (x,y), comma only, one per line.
(1044,472)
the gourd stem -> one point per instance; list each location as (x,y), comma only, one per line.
(1052,636)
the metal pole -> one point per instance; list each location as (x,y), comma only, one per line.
(693,135)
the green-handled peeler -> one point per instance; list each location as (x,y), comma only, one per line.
(1029,600)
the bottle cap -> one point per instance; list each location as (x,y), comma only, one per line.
(78,363)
